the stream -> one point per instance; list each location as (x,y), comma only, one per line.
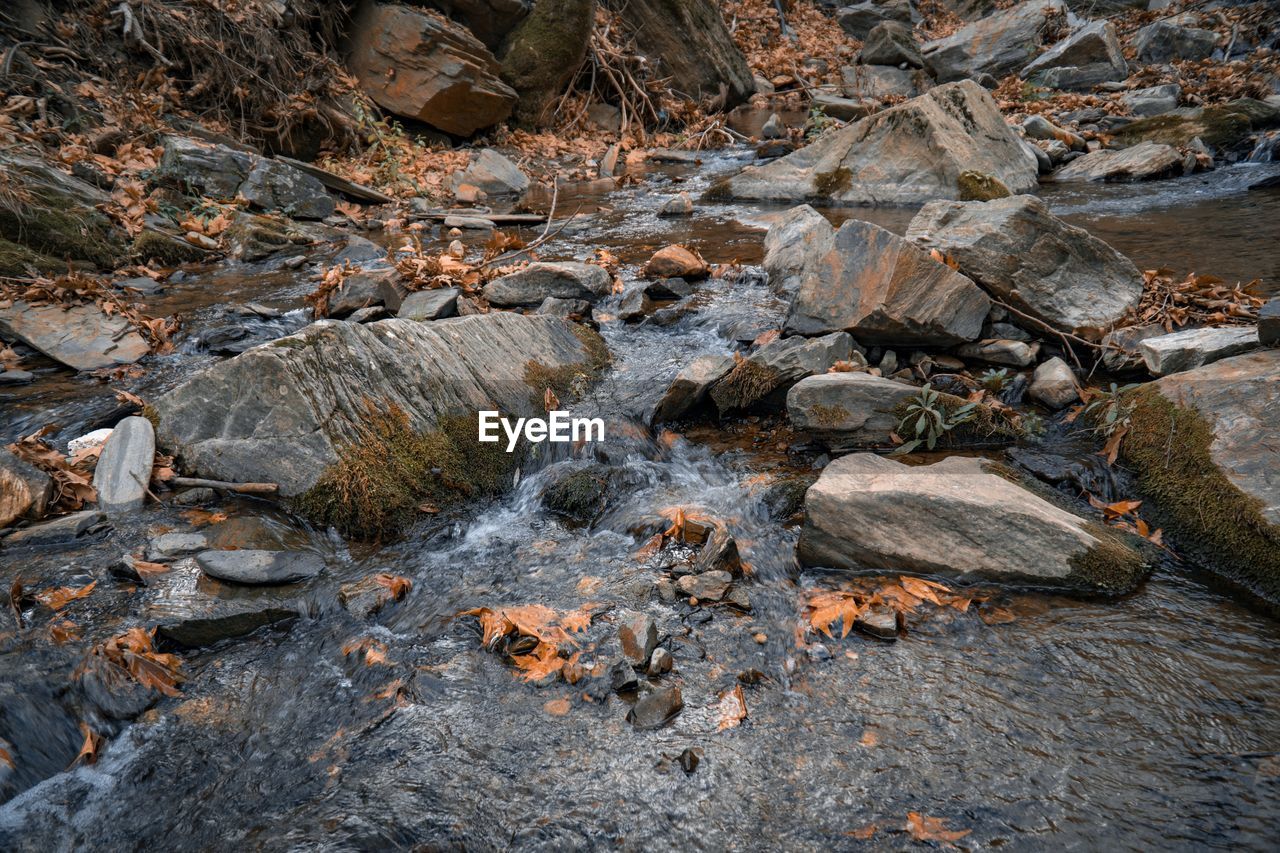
(1148,721)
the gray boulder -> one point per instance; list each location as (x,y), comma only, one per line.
(794,246)
(124,466)
(1173,39)
(907,154)
(430,304)
(847,410)
(260,568)
(882,81)
(954,518)
(1269,323)
(1153,100)
(494,173)
(845,109)
(884,290)
(859,19)
(891,43)
(1089,56)
(1000,44)
(763,378)
(689,389)
(56,531)
(1143,162)
(563,280)
(996,351)
(1026,257)
(80,336)
(25,490)
(274,185)
(281,411)
(365,288)
(1054,384)
(223,172)
(1190,348)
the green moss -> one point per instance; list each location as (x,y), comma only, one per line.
(149,412)
(543,52)
(167,249)
(389,470)
(52,226)
(976,186)
(579,496)
(1111,565)
(828,184)
(829,416)
(570,380)
(16,259)
(598,355)
(745,385)
(1218,524)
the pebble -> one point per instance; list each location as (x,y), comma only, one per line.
(708,586)
(660,662)
(679,205)
(656,709)
(760,638)
(258,568)
(879,621)
(622,677)
(638,634)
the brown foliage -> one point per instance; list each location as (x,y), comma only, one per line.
(1196,300)
(72,483)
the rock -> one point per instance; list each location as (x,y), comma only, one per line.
(605,116)
(563,279)
(667,289)
(766,375)
(719,553)
(883,290)
(847,410)
(638,634)
(1016,353)
(794,247)
(1228,127)
(1143,162)
(1056,150)
(879,621)
(494,174)
(1191,348)
(56,531)
(80,336)
(677,205)
(689,389)
(580,494)
(166,546)
(907,154)
(425,67)
(430,304)
(194,612)
(999,44)
(1169,40)
(1025,256)
(1153,100)
(690,43)
(25,490)
(773,128)
(634,305)
(557,307)
(660,663)
(708,586)
(656,709)
(859,19)
(891,43)
(488,20)
(1054,384)
(124,468)
(875,82)
(280,412)
(274,185)
(1121,346)
(16,377)
(954,518)
(90,439)
(1269,323)
(1089,56)
(366,597)
(260,568)
(676,262)
(362,289)
(474,223)
(1038,127)
(1195,441)
(541,54)
(337,183)
(844,109)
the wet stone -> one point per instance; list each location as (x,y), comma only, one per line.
(254,568)
(660,662)
(678,205)
(879,621)
(166,546)
(124,468)
(708,586)
(430,304)
(656,709)
(638,634)
(365,597)
(622,677)
(720,553)
(57,531)
(737,597)
(1269,324)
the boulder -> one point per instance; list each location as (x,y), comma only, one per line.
(1023,255)
(273,185)
(124,466)
(907,154)
(891,43)
(690,43)
(561,279)
(260,568)
(859,19)
(421,65)
(167,546)
(1121,346)
(223,172)
(1153,100)
(430,304)
(281,412)
(884,290)
(1001,44)
(1190,348)
(676,262)
(995,351)
(1226,127)
(79,336)
(1089,56)
(1172,39)
(494,174)
(1196,442)
(543,52)
(763,378)
(1054,384)
(795,244)
(847,410)
(25,490)
(689,389)
(1143,162)
(367,286)
(954,518)
(194,612)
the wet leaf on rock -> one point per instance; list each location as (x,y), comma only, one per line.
(925,828)
(732,707)
(56,599)
(89,749)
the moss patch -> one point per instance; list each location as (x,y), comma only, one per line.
(381,478)
(1218,524)
(745,385)
(1223,126)
(829,416)
(570,380)
(828,184)
(1111,565)
(579,496)
(52,226)
(976,186)
(15,260)
(542,53)
(167,249)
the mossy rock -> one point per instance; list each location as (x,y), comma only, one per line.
(580,495)
(976,186)
(746,384)
(1223,126)
(785,498)
(167,249)
(828,184)
(16,260)
(1215,522)
(543,51)
(53,215)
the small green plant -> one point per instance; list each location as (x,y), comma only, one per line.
(1109,411)
(819,123)
(995,381)
(926,420)
(1032,426)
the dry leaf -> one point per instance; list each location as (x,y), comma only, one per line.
(56,599)
(924,828)
(89,749)
(557,707)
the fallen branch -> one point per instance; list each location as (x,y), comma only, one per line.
(1066,337)
(132,32)
(238,488)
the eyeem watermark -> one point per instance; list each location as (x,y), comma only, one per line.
(556,426)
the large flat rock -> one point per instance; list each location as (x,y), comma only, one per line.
(999,44)
(908,154)
(280,411)
(847,410)
(79,336)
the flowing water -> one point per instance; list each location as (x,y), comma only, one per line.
(1147,721)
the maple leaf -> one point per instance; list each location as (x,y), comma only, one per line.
(544,663)
(398,586)
(924,828)
(733,708)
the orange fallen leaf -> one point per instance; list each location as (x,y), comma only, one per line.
(864,833)
(924,828)
(89,749)
(733,708)
(56,599)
